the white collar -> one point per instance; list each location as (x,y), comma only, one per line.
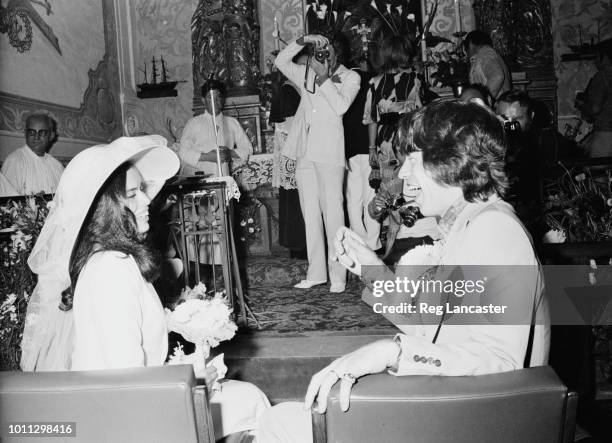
(31,152)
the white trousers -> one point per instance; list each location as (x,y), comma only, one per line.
(286,423)
(237,407)
(358,196)
(321,199)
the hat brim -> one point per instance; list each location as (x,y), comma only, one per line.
(81,181)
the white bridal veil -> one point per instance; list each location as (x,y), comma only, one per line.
(48,333)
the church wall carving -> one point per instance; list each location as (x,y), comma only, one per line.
(445,23)
(290,19)
(570,19)
(152,28)
(35,80)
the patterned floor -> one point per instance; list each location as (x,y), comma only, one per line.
(282,309)
(285,310)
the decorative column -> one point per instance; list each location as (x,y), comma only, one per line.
(241,33)
(225,41)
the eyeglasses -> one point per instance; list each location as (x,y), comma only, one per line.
(41,132)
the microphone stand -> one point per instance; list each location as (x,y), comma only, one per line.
(214,117)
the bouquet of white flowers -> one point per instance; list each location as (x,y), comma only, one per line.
(203,320)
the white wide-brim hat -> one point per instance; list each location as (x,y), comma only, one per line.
(78,187)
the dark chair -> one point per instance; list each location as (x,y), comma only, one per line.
(528,405)
(155,404)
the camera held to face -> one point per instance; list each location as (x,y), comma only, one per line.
(512,127)
(321,54)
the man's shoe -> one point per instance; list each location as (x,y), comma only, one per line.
(337,288)
(305,284)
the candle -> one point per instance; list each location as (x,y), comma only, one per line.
(276,33)
(423,49)
(458,15)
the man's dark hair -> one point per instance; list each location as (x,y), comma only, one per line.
(213,84)
(391,52)
(604,47)
(341,46)
(478,38)
(515,96)
(463,144)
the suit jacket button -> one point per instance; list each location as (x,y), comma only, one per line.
(430,360)
(437,363)
(423,359)
(416,358)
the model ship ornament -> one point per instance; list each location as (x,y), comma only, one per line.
(583,50)
(156,88)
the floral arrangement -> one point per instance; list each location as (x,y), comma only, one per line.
(451,67)
(249,216)
(579,207)
(21,220)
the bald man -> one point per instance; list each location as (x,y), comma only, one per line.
(31,169)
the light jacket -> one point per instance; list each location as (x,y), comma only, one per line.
(317,133)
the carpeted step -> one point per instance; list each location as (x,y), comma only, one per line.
(301,331)
(272,270)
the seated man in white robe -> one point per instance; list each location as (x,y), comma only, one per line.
(198,144)
(31,169)
(6,189)
(198,154)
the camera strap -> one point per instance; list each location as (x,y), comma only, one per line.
(306,78)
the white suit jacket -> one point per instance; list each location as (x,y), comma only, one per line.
(317,133)
(484,233)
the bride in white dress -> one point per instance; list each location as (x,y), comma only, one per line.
(93,261)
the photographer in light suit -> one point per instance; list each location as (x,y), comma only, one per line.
(316,141)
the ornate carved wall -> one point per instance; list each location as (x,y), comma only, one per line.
(97,119)
(150,28)
(225,42)
(445,23)
(290,19)
(571,19)
(521,31)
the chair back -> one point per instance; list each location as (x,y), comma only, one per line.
(527,405)
(154,404)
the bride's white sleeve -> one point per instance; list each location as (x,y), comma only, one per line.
(108,314)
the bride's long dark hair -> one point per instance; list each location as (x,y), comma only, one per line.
(111,226)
